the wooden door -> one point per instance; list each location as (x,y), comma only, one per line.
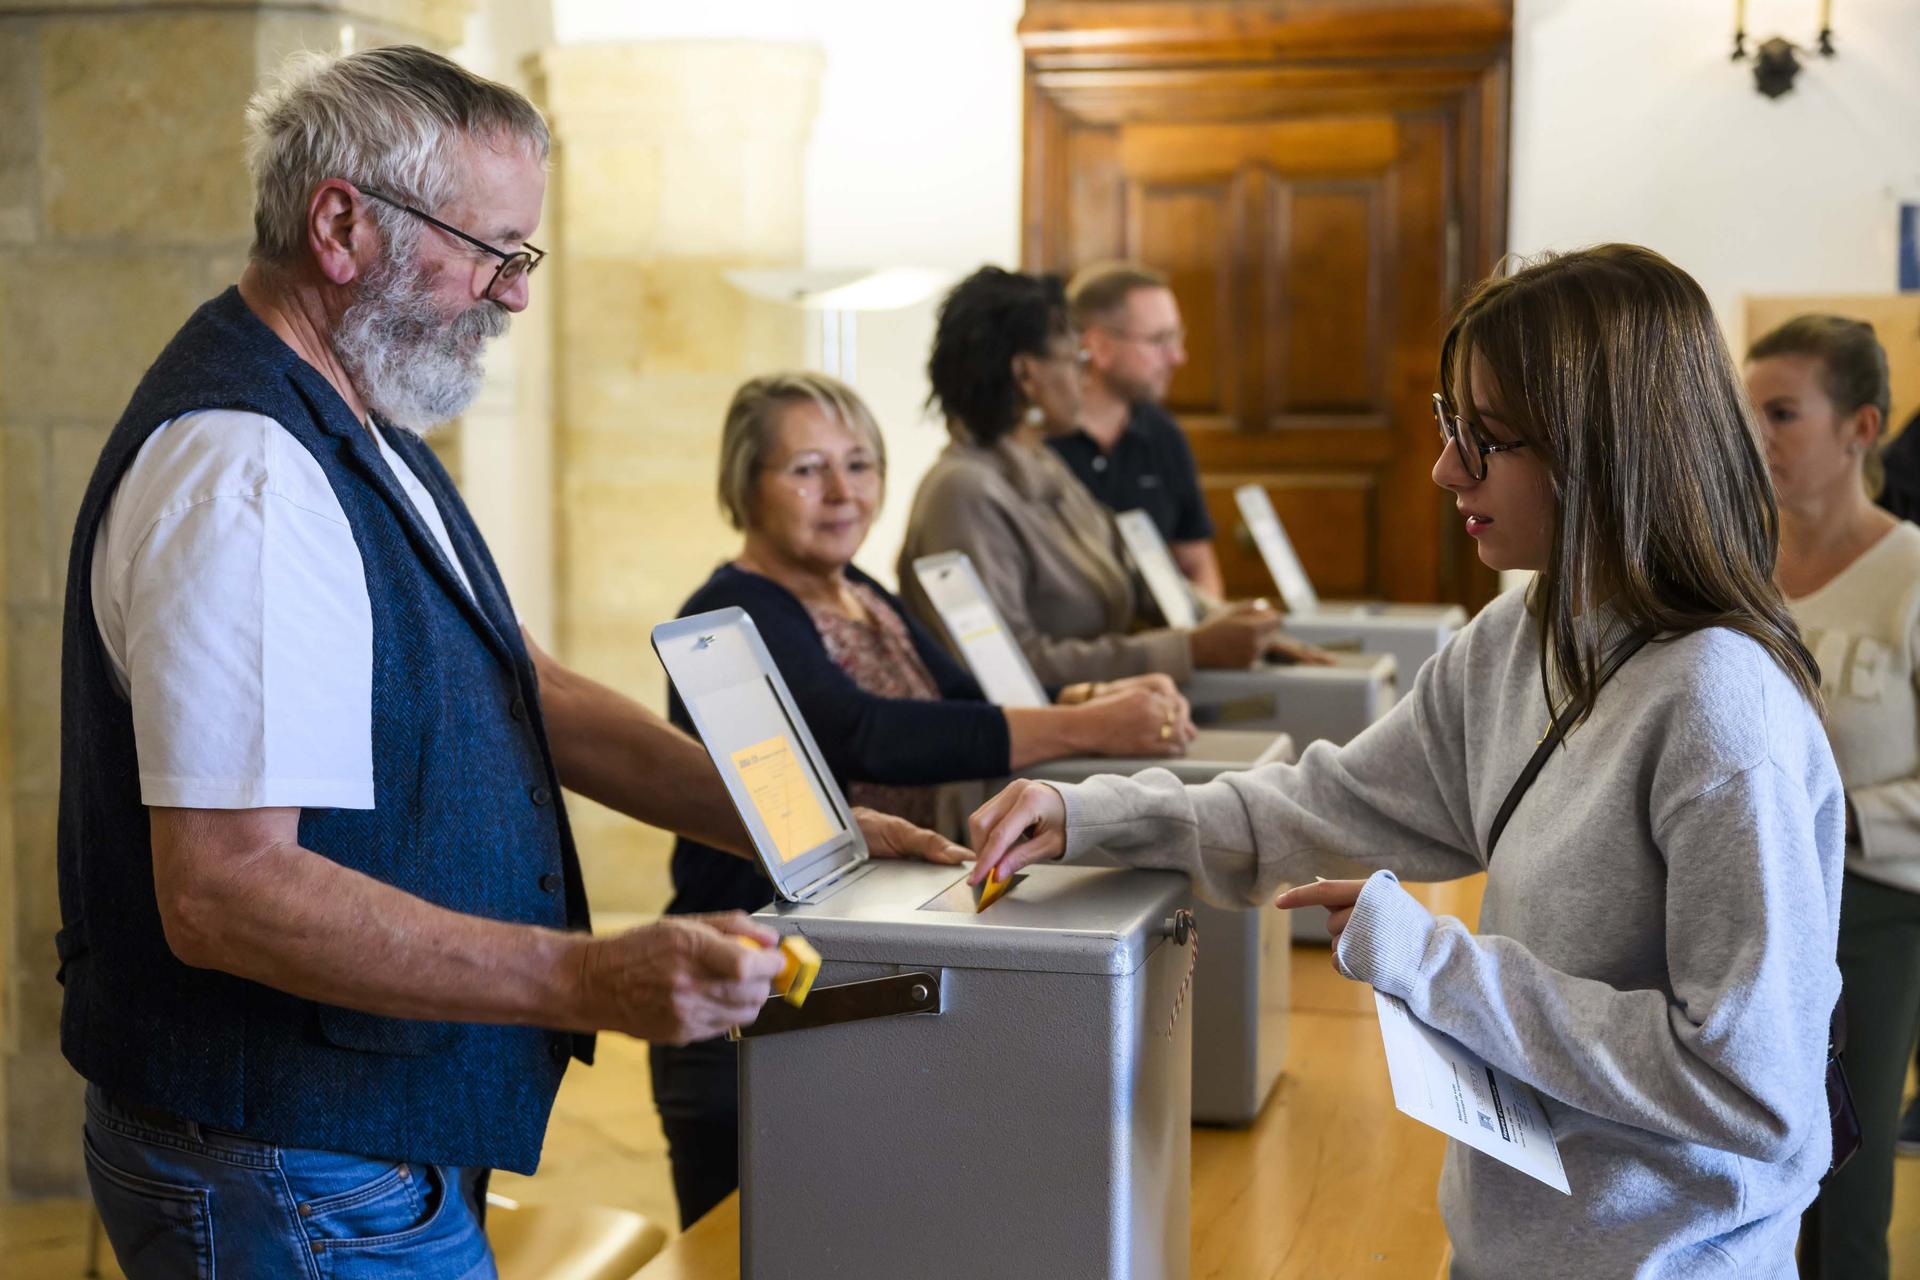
(1313,178)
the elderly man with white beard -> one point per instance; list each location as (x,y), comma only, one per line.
(324,939)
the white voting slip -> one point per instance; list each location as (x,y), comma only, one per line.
(990,651)
(1276,549)
(796,817)
(1152,557)
(1412,633)
(1443,1085)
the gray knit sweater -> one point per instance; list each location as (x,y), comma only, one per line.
(1656,945)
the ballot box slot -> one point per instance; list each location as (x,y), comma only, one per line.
(896,995)
(1249,708)
(959,897)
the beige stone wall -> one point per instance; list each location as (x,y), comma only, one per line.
(123,205)
(674,161)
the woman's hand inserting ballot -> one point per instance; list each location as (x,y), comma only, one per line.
(680,979)
(1337,896)
(1024,824)
(893,837)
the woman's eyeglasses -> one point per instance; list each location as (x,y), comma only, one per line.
(1468,445)
(807,476)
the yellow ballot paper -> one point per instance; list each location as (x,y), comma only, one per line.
(989,890)
(801,967)
(782,796)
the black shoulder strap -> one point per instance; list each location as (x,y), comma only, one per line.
(1555,733)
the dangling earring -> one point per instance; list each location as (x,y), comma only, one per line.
(1034,416)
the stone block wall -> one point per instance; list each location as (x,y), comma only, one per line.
(674,162)
(124,203)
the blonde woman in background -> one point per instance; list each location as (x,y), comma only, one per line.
(1851,575)
(802,476)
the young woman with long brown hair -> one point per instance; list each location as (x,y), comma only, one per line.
(1656,945)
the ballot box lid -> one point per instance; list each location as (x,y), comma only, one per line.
(1055,919)
(1276,549)
(798,822)
(1153,558)
(976,631)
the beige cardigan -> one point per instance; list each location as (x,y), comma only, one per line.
(1864,630)
(1048,554)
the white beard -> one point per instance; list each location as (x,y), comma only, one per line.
(412,365)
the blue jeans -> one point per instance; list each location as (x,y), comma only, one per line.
(181,1201)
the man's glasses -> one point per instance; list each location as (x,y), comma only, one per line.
(512,265)
(1468,446)
(1165,339)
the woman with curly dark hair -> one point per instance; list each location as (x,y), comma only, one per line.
(1006,373)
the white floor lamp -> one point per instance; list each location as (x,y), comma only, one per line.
(837,296)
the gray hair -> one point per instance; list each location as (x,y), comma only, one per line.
(754,416)
(384,117)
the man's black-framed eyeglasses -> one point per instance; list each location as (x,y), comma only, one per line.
(512,265)
(1467,443)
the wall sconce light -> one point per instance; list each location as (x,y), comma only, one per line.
(1777,60)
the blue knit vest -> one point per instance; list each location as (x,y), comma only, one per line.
(467,815)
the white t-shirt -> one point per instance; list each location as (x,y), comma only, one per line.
(232,602)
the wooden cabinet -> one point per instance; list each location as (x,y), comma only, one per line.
(1320,179)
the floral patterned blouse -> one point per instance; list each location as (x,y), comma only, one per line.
(879,656)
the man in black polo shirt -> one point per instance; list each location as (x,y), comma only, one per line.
(1128,450)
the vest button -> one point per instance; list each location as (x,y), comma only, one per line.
(517,708)
(550,882)
(540,794)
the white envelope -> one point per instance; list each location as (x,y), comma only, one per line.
(1443,1085)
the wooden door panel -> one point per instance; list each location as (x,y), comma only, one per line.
(1327,259)
(1421,541)
(1197,152)
(1190,233)
(1097,187)
(1318,180)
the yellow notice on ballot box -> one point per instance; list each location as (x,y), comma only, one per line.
(788,806)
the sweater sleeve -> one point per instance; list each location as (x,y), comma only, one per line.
(965,516)
(1731,1059)
(1888,813)
(1888,817)
(1396,796)
(865,737)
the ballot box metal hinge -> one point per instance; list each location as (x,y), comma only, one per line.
(890,997)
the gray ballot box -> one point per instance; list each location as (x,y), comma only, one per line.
(1412,633)
(1242,987)
(964,1093)
(1242,983)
